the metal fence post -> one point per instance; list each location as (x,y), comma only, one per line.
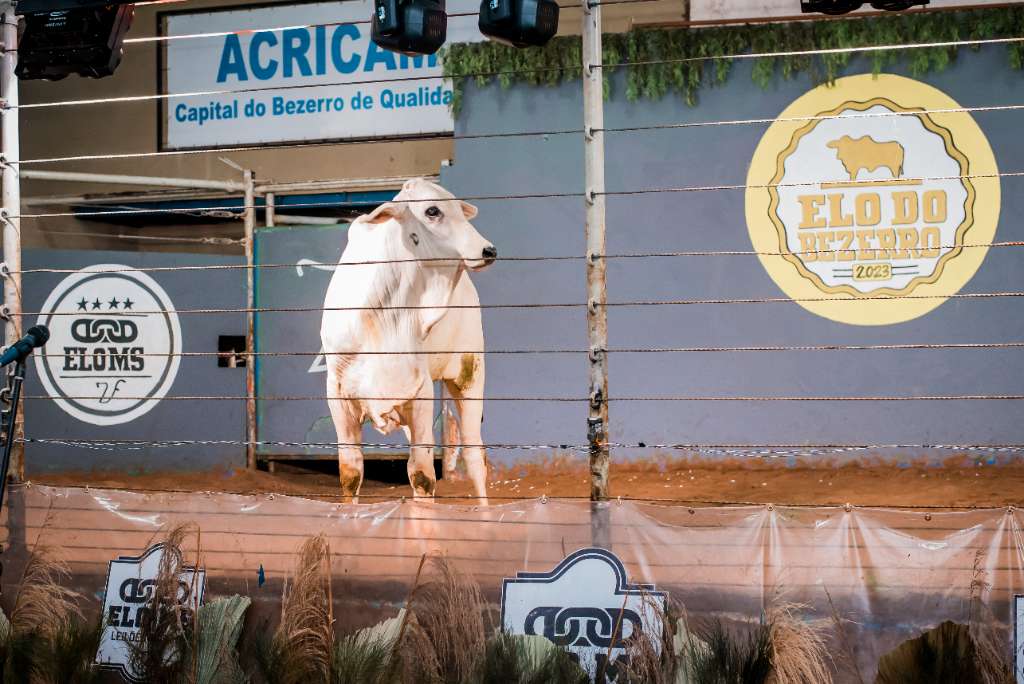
(250,319)
(269,207)
(10,148)
(597,323)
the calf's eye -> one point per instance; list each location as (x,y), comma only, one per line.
(433,212)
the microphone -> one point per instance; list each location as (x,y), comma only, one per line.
(35,337)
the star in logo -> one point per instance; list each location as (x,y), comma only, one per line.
(96,304)
(127,303)
(112,304)
(82,304)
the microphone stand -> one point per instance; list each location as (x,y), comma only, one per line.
(8,419)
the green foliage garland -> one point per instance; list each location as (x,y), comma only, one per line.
(653,58)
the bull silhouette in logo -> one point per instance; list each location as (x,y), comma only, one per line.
(867,154)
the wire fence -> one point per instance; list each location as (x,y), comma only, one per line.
(765,451)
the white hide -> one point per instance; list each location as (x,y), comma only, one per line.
(381,385)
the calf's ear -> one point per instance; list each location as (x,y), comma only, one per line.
(468,210)
(386,212)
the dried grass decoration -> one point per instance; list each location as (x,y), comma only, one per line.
(180,642)
(440,636)
(449,609)
(782,648)
(304,648)
(301,648)
(46,640)
(946,654)
(798,646)
(160,654)
(975,653)
(445,640)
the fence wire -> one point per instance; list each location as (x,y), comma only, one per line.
(745,450)
(758,450)
(520,134)
(522,196)
(300,265)
(554,305)
(492,74)
(564,400)
(614,350)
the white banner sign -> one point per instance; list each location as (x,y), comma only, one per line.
(321,78)
(131,583)
(587,606)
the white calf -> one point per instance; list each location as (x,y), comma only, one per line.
(364,380)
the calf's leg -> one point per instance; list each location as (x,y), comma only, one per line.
(349,430)
(420,418)
(468,399)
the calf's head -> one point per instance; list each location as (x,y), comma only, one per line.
(839,143)
(436,225)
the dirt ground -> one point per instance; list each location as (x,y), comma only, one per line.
(956,483)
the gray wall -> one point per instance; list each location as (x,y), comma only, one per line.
(651,222)
(197,376)
(715,221)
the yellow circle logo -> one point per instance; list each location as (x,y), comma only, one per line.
(870,201)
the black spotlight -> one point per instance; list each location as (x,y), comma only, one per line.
(846,6)
(897,5)
(62,37)
(416,27)
(519,22)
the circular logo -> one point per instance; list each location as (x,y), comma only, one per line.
(859,194)
(114,344)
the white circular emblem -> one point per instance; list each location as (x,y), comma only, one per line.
(872,200)
(114,344)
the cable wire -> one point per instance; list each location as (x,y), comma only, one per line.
(516,134)
(950,397)
(623,350)
(492,74)
(734,449)
(553,305)
(512,134)
(808,118)
(538,195)
(140,238)
(819,51)
(300,265)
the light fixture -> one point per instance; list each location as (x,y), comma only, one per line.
(416,27)
(62,37)
(520,23)
(846,6)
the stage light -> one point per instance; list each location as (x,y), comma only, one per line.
(62,37)
(897,5)
(520,23)
(416,27)
(846,6)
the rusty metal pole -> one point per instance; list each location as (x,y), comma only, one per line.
(249,179)
(597,323)
(269,202)
(10,186)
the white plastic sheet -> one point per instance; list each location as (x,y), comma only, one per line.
(887,575)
